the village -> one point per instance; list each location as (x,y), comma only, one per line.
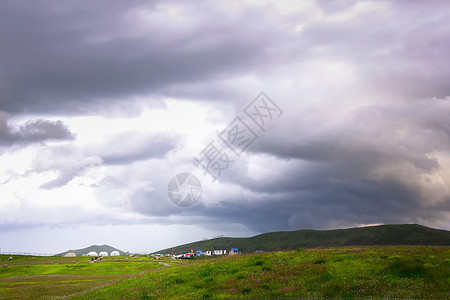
(94,254)
(200,253)
(189,255)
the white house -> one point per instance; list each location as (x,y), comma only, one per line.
(115,253)
(103,253)
(219,252)
(207,253)
(92,253)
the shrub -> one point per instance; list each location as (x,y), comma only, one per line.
(259,263)
(406,267)
(319,261)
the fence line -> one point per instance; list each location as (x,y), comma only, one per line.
(26,253)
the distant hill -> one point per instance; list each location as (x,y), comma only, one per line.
(404,234)
(96,248)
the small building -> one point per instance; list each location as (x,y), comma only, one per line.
(70,254)
(103,253)
(233,251)
(92,253)
(219,252)
(199,252)
(115,253)
(207,253)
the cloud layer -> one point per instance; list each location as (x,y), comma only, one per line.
(103,102)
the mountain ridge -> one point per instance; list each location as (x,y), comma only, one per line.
(391,234)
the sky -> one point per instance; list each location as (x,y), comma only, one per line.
(291,115)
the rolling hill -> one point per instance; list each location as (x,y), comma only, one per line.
(96,248)
(403,234)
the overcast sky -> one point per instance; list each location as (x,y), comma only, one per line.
(103,102)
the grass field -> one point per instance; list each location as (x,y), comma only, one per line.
(377,271)
(27,277)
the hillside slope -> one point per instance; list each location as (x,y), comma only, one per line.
(96,248)
(404,234)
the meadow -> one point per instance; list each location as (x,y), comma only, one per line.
(27,277)
(363,271)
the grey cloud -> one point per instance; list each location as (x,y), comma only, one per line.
(75,58)
(392,132)
(129,147)
(331,6)
(32,131)
(262,216)
(402,53)
(66,161)
(324,205)
(69,56)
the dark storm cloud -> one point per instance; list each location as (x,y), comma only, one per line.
(262,216)
(380,132)
(376,167)
(32,131)
(64,55)
(71,57)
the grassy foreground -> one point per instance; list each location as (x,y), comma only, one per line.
(27,277)
(391,271)
(382,272)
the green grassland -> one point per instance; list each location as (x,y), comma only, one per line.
(361,271)
(27,277)
(385,271)
(399,234)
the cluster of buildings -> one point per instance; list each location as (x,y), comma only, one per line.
(193,254)
(94,254)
